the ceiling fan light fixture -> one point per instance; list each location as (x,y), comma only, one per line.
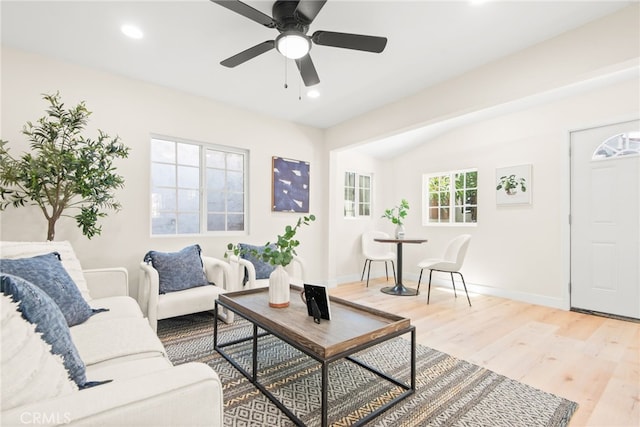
(293,45)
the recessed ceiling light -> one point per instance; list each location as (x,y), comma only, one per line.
(313,93)
(131,31)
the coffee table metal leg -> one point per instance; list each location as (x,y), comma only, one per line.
(325,400)
(215,325)
(255,352)
(413,359)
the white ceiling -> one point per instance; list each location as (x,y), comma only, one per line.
(184,41)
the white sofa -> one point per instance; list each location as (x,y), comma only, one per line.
(156,306)
(119,345)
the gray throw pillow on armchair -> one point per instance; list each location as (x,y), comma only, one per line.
(178,271)
(263,269)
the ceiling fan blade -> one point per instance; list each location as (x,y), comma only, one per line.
(247,11)
(308,9)
(248,54)
(307,71)
(350,41)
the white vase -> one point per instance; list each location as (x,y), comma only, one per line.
(400,232)
(279,288)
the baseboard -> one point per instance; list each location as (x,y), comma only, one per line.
(607,315)
(500,292)
(474,288)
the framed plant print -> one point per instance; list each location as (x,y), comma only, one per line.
(290,189)
(513,185)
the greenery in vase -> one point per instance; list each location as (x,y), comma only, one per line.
(64,169)
(281,251)
(511,183)
(398,213)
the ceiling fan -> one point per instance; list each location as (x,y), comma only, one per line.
(292,19)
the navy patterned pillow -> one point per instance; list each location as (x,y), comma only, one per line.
(178,271)
(263,269)
(38,308)
(47,273)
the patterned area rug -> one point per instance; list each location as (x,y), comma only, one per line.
(449,391)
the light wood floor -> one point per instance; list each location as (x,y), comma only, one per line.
(591,360)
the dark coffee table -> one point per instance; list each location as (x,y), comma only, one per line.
(352,328)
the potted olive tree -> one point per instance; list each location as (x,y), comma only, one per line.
(64,170)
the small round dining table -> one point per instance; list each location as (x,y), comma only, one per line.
(399,289)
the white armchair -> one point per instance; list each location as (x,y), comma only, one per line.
(156,306)
(240,265)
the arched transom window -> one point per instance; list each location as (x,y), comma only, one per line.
(622,144)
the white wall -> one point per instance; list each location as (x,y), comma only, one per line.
(517,251)
(347,250)
(583,78)
(133,110)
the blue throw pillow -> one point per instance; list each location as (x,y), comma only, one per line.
(263,269)
(48,273)
(178,271)
(39,309)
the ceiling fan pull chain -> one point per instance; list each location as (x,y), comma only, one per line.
(285,73)
(300,89)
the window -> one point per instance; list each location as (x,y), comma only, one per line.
(450,197)
(357,195)
(196,188)
(623,144)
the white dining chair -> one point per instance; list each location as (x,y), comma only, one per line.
(376,251)
(450,263)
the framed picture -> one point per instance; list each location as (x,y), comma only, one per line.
(290,189)
(513,185)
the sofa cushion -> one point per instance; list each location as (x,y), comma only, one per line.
(37,308)
(178,271)
(13,250)
(116,340)
(194,300)
(117,308)
(263,269)
(30,372)
(127,369)
(47,272)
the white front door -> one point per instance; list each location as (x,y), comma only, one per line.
(605,223)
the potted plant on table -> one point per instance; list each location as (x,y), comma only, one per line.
(279,254)
(396,215)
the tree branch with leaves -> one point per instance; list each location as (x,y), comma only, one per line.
(64,170)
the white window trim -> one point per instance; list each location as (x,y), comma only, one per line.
(425,199)
(357,197)
(203,206)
